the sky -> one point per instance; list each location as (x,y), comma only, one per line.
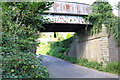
(112,2)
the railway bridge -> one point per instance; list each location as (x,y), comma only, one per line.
(67,17)
(70,17)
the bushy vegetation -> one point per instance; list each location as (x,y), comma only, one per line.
(63,44)
(113,67)
(23,65)
(60,47)
(21,23)
(90,64)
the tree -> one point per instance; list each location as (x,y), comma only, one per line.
(21,23)
(102,14)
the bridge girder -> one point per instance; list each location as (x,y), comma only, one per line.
(63,27)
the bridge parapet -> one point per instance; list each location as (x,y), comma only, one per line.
(73,8)
(68,12)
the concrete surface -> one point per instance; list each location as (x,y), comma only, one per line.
(63,69)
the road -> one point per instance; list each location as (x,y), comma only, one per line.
(63,69)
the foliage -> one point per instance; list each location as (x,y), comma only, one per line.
(102,14)
(26,13)
(90,64)
(113,67)
(21,23)
(21,65)
(60,49)
(63,44)
(43,48)
(82,61)
(62,56)
(60,37)
(68,35)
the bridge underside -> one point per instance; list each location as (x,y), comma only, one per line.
(63,27)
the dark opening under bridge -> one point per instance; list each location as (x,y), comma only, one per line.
(67,17)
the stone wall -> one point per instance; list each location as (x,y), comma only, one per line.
(113,49)
(99,47)
(92,49)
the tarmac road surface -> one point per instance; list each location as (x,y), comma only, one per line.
(62,69)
